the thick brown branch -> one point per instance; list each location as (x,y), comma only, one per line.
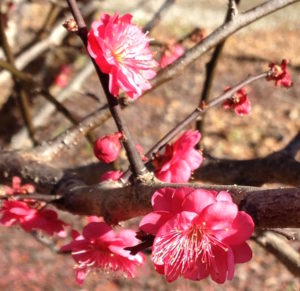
(278,167)
(268,208)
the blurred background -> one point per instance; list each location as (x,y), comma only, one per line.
(55,59)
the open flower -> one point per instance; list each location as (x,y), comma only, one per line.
(239,102)
(171,54)
(107,148)
(280,74)
(121,50)
(197,233)
(17,212)
(100,248)
(180,159)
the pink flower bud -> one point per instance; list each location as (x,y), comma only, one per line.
(107,148)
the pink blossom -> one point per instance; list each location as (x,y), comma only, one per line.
(100,248)
(180,159)
(239,102)
(17,188)
(171,54)
(107,148)
(111,175)
(63,76)
(17,212)
(121,50)
(197,233)
(280,74)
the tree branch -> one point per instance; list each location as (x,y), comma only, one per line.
(158,15)
(280,249)
(212,64)
(227,29)
(133,155)
(278,167)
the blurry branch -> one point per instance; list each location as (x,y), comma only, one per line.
(55,38)
(278,167)
(134,158)
(239,21)
(49,20)
(47,151)
(20,139)
(158,15)
(285,233)
(212,64)
(47,242)
(21,92)
(65,112)
(21,76)
(278,246)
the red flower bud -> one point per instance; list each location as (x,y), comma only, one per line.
(280,74)
(107,148)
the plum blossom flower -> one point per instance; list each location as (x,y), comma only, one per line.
(111,175)
(197,233)
(239,102)
(180,159)
(107,148)
(280,74)
(17,212)
(100,248)
(63,77)
(171,54)
(121,50)
(17,188)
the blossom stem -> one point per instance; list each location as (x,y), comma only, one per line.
(136,163)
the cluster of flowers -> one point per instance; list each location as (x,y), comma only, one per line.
(29,214)
(176,165)
(197,232)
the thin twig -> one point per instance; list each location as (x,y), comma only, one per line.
(47,242)
(21,93)
(287,234)
(68,115)
(222,32)
(69,138)
(280,249)
(21,76)
(212,65)
(193,116)
(158,15)
(133,155)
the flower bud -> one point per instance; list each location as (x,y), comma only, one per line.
(107,148)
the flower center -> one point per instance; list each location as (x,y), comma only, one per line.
(182,249)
